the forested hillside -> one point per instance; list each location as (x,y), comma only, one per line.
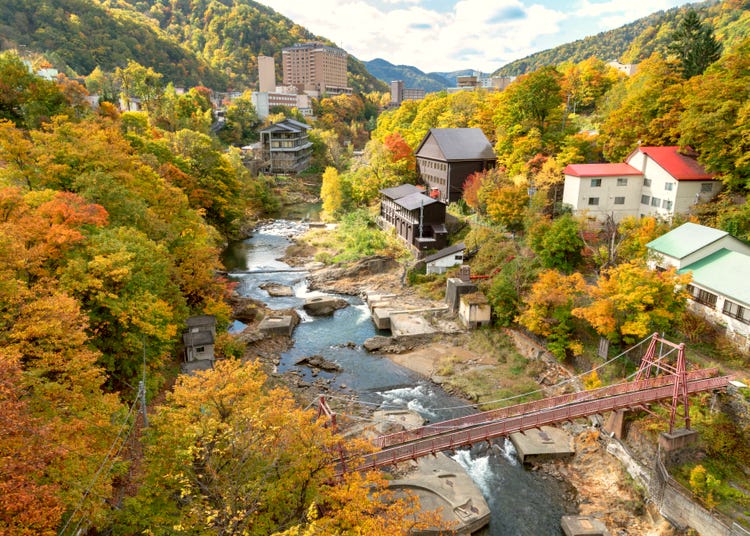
(636,41)
(83,34)
(207,42)
(412,77)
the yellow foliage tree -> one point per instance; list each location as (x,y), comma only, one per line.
(229,455)
(330,192)
(630,301)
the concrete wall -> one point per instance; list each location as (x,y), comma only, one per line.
(675,503)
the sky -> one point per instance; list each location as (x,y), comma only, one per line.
(451,35)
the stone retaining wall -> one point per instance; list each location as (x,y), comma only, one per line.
(674,502)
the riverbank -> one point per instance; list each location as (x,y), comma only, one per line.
(598,484)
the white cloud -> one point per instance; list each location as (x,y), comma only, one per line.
(471,34)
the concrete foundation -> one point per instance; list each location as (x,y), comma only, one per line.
(277,325)
(441,483)
(454,289)
(542,443)
(615,425)
(678,439)
(381,317)
(583,526)
(405,324)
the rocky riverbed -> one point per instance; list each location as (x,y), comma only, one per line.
(597,483)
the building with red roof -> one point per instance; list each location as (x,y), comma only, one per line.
(653,181)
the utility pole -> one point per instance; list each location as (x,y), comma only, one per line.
(142,386)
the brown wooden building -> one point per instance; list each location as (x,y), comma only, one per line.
(447,156)
(285,147)
(417,218)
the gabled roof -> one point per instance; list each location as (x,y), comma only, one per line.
(457,144)
(450,250)
(724,272)
(683,166)
(685,239)
(600,170)
(397,192)
(415,200)
(286,125)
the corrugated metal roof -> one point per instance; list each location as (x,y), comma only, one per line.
(450,250)
(683,166)
(724,272)
(415,200)
(400,191)
(686,239)
(600,170)
(461,144)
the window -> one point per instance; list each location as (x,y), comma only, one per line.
(620,200)
(735,310)
(655,201)
(702,296)
(667,204)
(622,182)
(200,349)
(707,187)
(645,199)
(646,182)
(593,200)
(595,183)
(668,186)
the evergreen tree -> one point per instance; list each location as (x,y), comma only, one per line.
(694,45)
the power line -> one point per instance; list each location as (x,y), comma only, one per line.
(117,439)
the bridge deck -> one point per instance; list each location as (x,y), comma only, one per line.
(485,426)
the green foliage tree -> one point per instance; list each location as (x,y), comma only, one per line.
(242,122)
(694,45)
(25,98)
(558,243)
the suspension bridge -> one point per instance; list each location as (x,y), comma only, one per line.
(657,379)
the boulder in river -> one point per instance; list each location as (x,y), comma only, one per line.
(319,362)
(324,305)
(277,290)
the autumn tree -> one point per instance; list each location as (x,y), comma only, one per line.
(644,108)
(331,192)
(716,117)
(505,200)
(229,454)
(558,243)
(547,310)
(629,301)
(693,44)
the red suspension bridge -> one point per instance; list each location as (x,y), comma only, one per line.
(675,382)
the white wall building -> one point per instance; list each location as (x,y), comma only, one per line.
(720,268)
(654,181)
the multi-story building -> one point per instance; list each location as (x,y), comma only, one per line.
(653,181)
(719,265)
(266,74)
(285,147)
(418,219)
(447,156)
(399,93)
(316,67)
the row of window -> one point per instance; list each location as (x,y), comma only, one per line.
(594,201)
(706,187)
(430,164)
(656,202)
(730,309)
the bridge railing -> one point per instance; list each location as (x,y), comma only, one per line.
(486,431)
(532,407)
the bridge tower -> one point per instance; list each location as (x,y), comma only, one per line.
(651,363)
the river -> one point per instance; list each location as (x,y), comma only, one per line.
(523,503)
